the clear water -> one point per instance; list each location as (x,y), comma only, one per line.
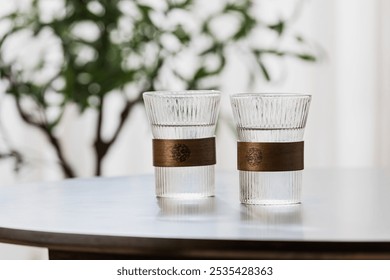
(270,118)
(183,115)
(184,182)
(270,187)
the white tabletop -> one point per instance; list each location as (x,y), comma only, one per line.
(338,205)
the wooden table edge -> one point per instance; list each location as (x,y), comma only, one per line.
(91,246)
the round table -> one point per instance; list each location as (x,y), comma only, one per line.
(344,214)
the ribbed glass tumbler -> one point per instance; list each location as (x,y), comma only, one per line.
(183,127)
(270,146)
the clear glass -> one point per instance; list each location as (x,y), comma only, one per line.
(270,118)
(183,115)
(186,209)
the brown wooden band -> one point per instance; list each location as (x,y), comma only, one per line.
(254,156)
(184,152)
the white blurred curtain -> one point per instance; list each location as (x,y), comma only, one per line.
(348,125)
(384,85)
(349,121)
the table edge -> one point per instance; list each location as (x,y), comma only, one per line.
(177,248)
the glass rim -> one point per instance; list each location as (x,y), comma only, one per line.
(266,94)
(182,93)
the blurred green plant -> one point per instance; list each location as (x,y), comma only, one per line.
(94,48)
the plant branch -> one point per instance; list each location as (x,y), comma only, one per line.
(13,154)
(125,113)
(101,146)
(66,168)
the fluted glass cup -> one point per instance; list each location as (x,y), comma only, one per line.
(183,115)
(270,118)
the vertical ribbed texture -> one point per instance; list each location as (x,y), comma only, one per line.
(270,187)
(188,209)
(267,111)
(183,115)
(185,182)
(270,118)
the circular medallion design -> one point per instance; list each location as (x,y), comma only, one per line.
(180,152)
(254,157)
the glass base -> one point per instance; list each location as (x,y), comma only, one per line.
(270,188)
(185,182)
(186,209)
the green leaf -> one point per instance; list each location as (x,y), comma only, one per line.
(246,27)
(181,5)
(264,70)
(259,52)
(214,48)
(307,57)
(144,9)
(201,73)
(182,35)
(278,27)
(299,38)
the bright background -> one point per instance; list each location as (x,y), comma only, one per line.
(348,124)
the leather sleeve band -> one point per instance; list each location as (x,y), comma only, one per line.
(184,152)
(254,156)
